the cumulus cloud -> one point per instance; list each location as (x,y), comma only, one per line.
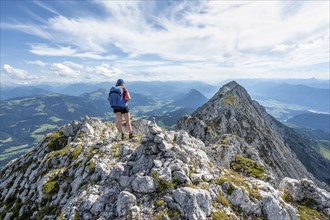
(38,62)
(63,70)
(73,65)
(254,35)
(15,73)
(105,70)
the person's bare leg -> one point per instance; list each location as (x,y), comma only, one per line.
(127,117)
(119,122)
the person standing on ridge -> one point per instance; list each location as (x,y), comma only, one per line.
(118,98)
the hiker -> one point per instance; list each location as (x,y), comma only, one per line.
(118,98)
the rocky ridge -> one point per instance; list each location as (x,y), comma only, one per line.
(232,111)
(83,171)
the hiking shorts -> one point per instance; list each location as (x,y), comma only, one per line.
(123,110)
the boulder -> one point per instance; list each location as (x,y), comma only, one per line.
(125,201)
(195,203)
(144,184)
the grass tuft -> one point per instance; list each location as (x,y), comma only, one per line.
(248,166)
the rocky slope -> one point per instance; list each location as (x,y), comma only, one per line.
(232,111)
(83,172)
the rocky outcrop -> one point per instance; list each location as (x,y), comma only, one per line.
(83,171)
(231,111)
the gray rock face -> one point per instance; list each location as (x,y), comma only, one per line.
(195,204)
(125,202)
(306,190)
(144,184)
(85,172)
(231,111)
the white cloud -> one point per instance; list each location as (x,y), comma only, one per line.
(282,47)
(222,35)
(105,70)
(14,73)
(44,50)
(73,65)
(38,62)
(67,51)
(63,70)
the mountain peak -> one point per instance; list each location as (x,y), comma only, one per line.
(231,84)
(192,99)
(232,111)
(83,171)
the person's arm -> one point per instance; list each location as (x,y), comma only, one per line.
(127,96)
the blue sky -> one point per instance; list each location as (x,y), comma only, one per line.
(71,41)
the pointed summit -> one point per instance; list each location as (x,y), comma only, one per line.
(192,99)
(232,111)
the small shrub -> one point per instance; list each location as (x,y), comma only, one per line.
(50,187)
(162,184)
(226,140)
(57,141)
(192,186)
(204,185)
(75,153)
(229,99)
(173,213)
(222,180)
(221,199)
(159,202)
(248,166)
(307,213)
(254,192)
(219,215)
(286,196)
(159,215)
(91,167)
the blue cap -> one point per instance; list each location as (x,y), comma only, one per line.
(120,82)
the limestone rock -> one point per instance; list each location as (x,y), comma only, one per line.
(144,184)
(306,190)
(125,202)
(195,203)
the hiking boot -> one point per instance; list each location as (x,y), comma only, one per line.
(122,136)
(131,136)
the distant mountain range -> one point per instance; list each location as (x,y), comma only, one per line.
(307,97)
(312,120)
(24,121)
(193,99)
(25,91)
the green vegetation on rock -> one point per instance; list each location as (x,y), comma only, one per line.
(162,184)
(221,199)
(57,141)
(248,166)
(91,166)
(307,213)
(238,180)
(173,213)
(222,180)
(75,153)
(159,215)
(159,202)
(229,99)
(219,215)
(50,187)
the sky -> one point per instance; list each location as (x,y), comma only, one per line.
(93,41)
